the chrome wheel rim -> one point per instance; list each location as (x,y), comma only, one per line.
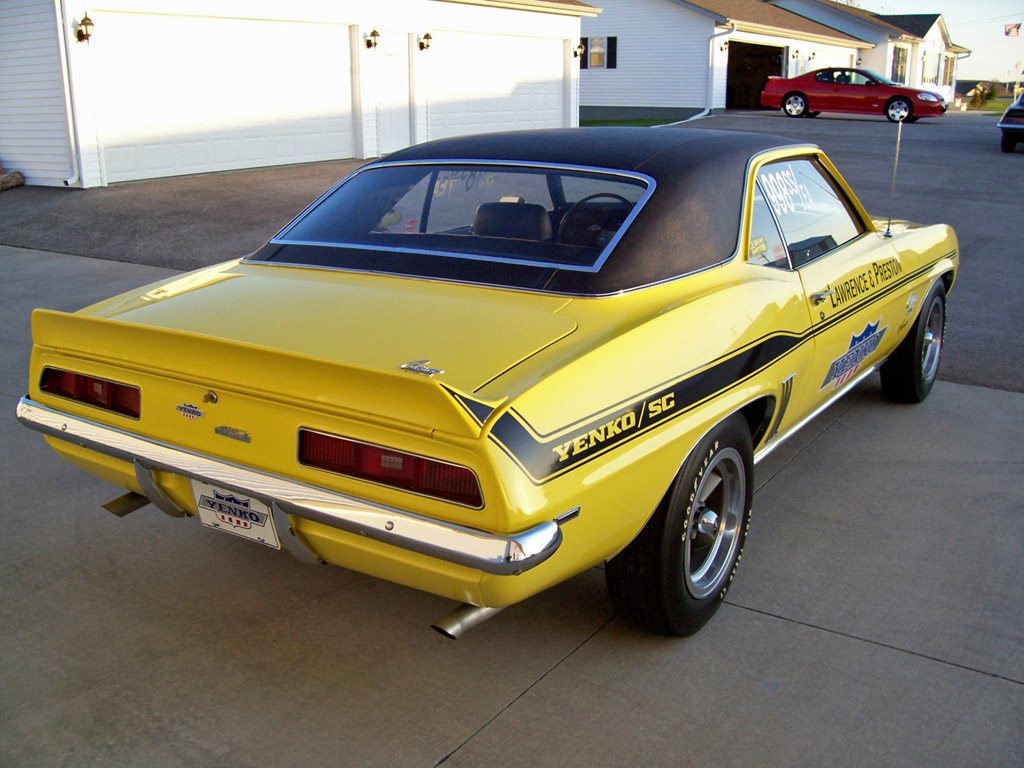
(795,105)
(899,110)
(931,347)
(712,532)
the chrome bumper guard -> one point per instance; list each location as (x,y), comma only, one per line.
(501,555)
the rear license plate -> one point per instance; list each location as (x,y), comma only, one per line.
(235,513)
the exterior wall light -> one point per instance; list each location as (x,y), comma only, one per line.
(371,40)
(84,31)
(578,50)
(796,54)
(724,46)
(425,42)
(811,57)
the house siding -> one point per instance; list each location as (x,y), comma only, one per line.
(34,137)
(662,42)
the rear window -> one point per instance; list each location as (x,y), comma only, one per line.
(562,217)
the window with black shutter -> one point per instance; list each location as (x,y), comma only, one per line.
(600,53)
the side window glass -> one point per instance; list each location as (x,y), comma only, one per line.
(766,246)
(814,216)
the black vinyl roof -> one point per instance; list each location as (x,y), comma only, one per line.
(647,150)
(691,222)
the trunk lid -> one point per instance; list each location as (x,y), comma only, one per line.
(335,340)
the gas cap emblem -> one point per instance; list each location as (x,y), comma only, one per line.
(421,367)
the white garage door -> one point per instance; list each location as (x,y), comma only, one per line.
(479,83)
(179,94)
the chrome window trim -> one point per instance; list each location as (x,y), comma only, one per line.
(865,226)
(281,238)
(470,547)
(806,149)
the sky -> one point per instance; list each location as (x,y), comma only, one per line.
(975,24)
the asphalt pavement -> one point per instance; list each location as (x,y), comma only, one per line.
(875,619)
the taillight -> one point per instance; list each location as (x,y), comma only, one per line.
(99,393)
(397,469)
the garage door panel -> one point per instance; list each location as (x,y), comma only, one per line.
(492,82)
(239,93)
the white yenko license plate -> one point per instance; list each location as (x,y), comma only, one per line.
(235,513)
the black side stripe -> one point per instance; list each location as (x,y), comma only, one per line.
(545,457)
(477,411)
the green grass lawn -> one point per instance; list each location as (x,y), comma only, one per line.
(623,122)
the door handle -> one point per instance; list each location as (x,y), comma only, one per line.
(818,298)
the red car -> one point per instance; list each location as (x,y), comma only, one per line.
(849,90)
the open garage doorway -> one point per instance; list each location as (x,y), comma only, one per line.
(749,67)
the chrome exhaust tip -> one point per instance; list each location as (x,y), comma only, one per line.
(463,618)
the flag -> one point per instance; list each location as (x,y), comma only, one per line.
(1012,30)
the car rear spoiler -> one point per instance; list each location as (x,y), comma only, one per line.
(400,398)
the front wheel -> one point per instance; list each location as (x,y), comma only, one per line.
(673,576)
(910,371)
(794,104)
(898,109)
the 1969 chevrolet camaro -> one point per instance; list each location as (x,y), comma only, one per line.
(481,365)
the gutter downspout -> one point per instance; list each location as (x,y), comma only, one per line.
(72,120)
(711,72)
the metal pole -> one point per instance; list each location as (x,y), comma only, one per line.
(895,165)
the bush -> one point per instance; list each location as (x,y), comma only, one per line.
(979,95)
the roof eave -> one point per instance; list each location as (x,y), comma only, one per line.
(849,42)
(719,20)
(537,6)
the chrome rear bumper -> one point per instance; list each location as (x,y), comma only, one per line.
(501,555)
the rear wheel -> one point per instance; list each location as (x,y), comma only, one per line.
(671,579)
(910,372)
(1008,143)
(794,104)
(898,109)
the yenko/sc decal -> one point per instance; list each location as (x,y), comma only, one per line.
(620,425)
(543,457)
(862,345)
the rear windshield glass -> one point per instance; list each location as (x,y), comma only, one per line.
(554,217)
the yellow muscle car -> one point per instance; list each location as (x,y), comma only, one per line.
(484,364)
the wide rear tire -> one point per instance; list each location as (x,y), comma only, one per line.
(673,576)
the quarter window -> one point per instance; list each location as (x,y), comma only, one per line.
(766,246)
(814,215)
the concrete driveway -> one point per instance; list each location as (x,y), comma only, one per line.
(875,620)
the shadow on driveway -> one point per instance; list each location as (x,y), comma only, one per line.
(182,223)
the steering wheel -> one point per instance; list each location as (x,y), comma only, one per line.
(580,226)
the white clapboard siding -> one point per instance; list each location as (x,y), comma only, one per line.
(662,55)
(33,109)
